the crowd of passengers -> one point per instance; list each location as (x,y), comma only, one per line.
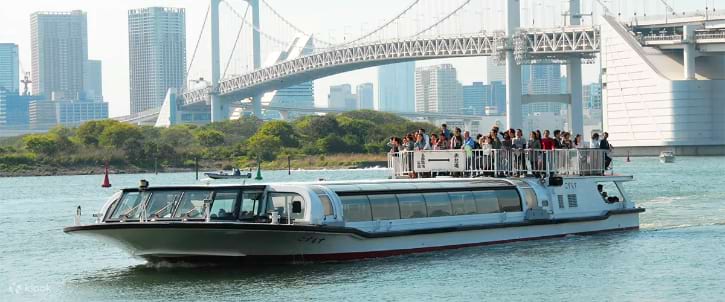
(508,140)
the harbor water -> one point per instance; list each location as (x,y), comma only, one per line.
(677,255)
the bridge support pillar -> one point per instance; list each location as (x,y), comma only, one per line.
(256,53)
(689,52)
(574,74)
(513,70)
(216,104)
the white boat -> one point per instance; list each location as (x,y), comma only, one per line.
(236,174)
(667,157)
(344,220)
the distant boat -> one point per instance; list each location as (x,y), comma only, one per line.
(667,157)
(236,174)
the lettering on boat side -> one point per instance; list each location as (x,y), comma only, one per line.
(311,239)
(570,185)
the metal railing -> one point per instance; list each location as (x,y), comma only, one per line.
(497,162)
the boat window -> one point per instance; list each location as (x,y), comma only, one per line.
(192,204)
(326,205)
(486,202)
(463,203)
(251,206)
(129,206)
(509,200)
(279,201)
(438,204)
(161,204)
(222,207)
(610,192)
(530,196)
(412,206)
(356,208)
(384,207)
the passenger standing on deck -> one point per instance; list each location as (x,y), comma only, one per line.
(434,142)
(443,143)
(557,139)
(604,145)
(456,139)
(519,144)
(534,153)
(447,133)
(594,144)
(547,143)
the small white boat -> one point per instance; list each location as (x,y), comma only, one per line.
(236,174)
(667,157)
(343,220)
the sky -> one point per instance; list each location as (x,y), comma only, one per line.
(329,19)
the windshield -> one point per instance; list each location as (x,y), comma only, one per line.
(129,206)
(192,204)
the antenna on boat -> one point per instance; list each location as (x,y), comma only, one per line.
(627,155)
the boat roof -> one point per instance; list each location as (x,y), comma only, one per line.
(383,184)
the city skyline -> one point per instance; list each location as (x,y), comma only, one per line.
(106,32)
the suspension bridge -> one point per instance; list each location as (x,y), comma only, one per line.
(420,31)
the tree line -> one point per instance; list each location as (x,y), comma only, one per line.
(240,141)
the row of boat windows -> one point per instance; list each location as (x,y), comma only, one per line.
(224,204)
(421,205)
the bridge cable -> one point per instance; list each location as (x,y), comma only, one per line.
(198,41)
(397,17)
(255,28)
(239,33)
(443,19)
(299,30)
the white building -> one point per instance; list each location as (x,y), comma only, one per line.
(437,90)
(59,53)
(9,67)
(157,54)
(650,101)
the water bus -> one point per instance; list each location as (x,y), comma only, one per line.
(457,199)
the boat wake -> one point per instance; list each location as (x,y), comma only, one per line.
(658,227)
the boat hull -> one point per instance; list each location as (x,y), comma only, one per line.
(283,243)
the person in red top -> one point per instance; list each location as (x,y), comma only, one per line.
(547,143)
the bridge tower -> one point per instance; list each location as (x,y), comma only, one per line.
(574,75)
(513,70)
(219,107)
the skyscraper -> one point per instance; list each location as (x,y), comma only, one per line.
(476,97)
(437,90)
(341,97)
(495,72)
(541,79)
(364,94)
(9,68)
(59,47)
(396,87)
(157,54)
(93,80)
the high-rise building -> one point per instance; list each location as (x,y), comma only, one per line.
(498,96)
(157,54)
(59,47)
(476,97)
(541,79)
(341,97)
(364,93)
(14,109)
(43,114)
(495,72)
(9,67)
(396,87)
(93,80)
(437,90)
(592,96)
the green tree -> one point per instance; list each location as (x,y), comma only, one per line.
(89,133)
(282,130)
(263,146)
(42,144)
(209,137)
(118,135)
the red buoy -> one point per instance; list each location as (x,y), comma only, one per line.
(106,182)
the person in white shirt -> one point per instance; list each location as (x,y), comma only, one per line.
(594,144)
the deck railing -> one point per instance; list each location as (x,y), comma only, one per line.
(497,162)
